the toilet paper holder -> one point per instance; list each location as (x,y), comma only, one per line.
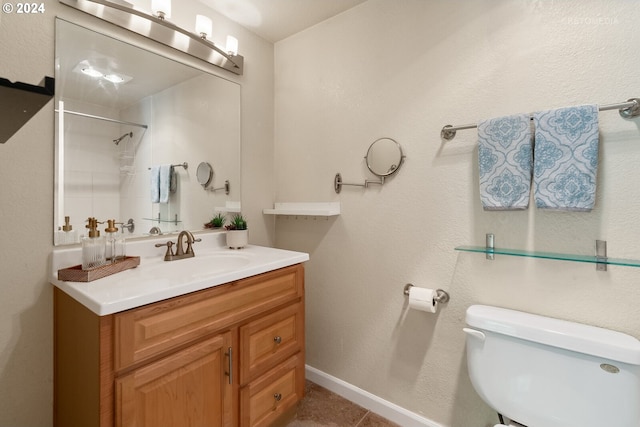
(442,297)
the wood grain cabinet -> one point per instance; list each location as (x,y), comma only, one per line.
(227,356)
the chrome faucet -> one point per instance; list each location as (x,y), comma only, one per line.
(180,253)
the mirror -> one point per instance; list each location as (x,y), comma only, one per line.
(384,157)
(204,174)
(121,112)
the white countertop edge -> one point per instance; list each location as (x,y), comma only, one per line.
(285,258)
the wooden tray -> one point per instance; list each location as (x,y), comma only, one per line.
(77,274)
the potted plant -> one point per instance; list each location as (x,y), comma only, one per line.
(216,222)
(237,233)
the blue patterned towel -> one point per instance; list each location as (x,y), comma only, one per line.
(566,158)
(165,182)
(155,184)
(504,155)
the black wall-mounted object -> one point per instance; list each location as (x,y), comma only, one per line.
(21,101)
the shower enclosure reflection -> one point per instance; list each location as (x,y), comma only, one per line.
(122,112)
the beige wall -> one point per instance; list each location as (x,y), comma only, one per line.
(404,69)
(386,68)
(26,211)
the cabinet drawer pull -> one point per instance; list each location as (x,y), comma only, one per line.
(277,340)
(277,397)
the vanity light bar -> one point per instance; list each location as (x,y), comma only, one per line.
(163,32)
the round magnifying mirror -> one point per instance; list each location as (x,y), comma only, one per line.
(204,173)
(384,157)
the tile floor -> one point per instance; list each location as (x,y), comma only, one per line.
(322,408)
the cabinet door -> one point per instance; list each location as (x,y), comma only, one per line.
(189,388)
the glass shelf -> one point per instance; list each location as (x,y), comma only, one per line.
(551,255)
(173,221)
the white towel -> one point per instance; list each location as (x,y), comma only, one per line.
(165,182)
(566,158)
(504,156)
(155,184)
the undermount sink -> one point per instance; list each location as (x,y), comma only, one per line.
(201,265)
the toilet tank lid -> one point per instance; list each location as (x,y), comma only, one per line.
(556,333)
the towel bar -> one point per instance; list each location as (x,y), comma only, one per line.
(181,165)
(627,110)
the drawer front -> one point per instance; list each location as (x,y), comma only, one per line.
(149,331)
(270,396)
(270,340)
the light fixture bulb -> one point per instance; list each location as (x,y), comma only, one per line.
(232,45)
(114,78)
(204,26)
(161,8)
(91,72)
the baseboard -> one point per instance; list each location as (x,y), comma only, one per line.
(369,401)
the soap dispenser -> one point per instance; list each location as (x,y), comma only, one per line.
(115,248)
(93,246)
(66,235)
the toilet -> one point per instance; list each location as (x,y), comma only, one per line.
(543,372)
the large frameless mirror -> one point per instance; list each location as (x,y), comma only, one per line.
(122,113)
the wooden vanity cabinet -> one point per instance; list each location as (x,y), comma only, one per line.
(228,356)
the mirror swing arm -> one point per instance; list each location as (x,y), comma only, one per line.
(384,158)
(338,183)
(226,188)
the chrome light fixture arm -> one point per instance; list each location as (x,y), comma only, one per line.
(233,63)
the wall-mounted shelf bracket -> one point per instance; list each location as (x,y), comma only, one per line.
(601,255)
(490,245)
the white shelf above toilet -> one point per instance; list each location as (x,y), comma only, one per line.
(305,209)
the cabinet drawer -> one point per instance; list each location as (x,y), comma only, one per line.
(270,340)
(271,395)
(149,331)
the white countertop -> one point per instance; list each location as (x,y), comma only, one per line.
(156,280)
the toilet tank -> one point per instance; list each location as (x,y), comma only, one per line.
(545,372)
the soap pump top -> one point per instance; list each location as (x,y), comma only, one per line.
(92,225)
(111,226)
(67,226)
